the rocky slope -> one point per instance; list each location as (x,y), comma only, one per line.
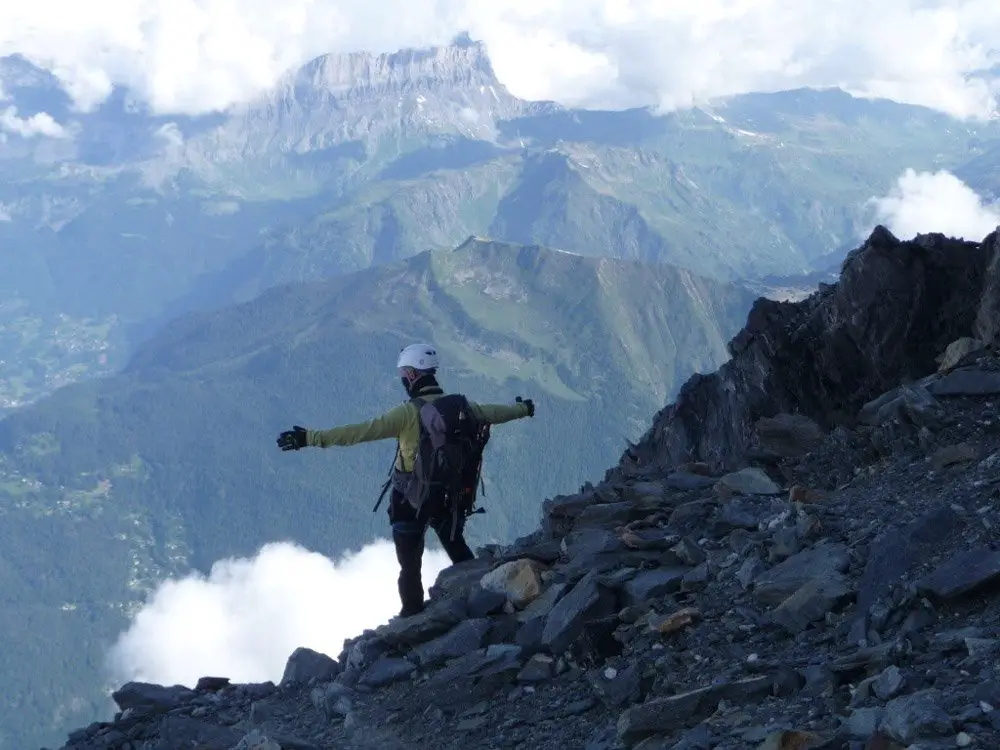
(841,589)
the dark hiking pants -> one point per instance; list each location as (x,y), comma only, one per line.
(408,530)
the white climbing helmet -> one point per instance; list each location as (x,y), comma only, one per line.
(418,356)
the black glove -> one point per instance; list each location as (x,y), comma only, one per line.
(293,439)
(529,403)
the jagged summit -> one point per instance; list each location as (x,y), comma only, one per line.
(895,308)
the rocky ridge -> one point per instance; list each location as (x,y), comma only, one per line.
(828,578)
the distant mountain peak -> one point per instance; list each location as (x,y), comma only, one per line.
(462,63)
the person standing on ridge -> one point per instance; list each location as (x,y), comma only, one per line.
(434,475)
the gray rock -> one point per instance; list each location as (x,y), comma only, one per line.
(911,403)
(641,492)
(788,435)
(888,683)
(822,562)
(682,480)
(436,620)
(386,670)
(565,621)
(543,604)
(688,552)
(912,717)
(962,574)
(987,323)
(491,660)
(750,481)
(334,700)
(653,584)
(692,517)
(967,382)
(958,350)
(457,581)
(211,684)
(812,601)
(261,711)
(464,638)
(747,513)
(144,697)
(748,571)
(255,740)
(583,544)
(529,635)
(305,664)
(662,715)
(623,688)
(483,602)
(606,514)
(540,668)
(864,722)
(895,552)
(185,731)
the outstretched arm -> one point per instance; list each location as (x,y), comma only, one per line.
(500,413)
(389,425)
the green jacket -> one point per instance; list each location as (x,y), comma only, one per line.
(403,424)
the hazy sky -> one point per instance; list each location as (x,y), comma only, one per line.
(199,55)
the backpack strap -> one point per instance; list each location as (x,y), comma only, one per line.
(388,481)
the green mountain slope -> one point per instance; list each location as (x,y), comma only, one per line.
(171,464)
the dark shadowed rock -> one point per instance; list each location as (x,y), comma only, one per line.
(386,670)
(683,480)
(788,434)
(912,717)
(607,514)
(458,580)
(437,619)
(305,664)
(967,382)
(148,698)
(812,601)
(211,684)
(894,309)
(565,621)
(691,517)
(184,731)
(823,562)
(668,714)
(465,637)
(896,551)
(653,584)
(987,323)
(962,574)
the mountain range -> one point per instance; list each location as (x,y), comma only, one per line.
(119,220)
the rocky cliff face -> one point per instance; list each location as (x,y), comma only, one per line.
(846,596)
(339,99)
(895,308)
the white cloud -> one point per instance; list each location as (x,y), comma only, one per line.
(923,202)
(197,55)
(245,618)
(40,123)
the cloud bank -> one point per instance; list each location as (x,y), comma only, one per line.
(245,618)
(194,56)
(923,202)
